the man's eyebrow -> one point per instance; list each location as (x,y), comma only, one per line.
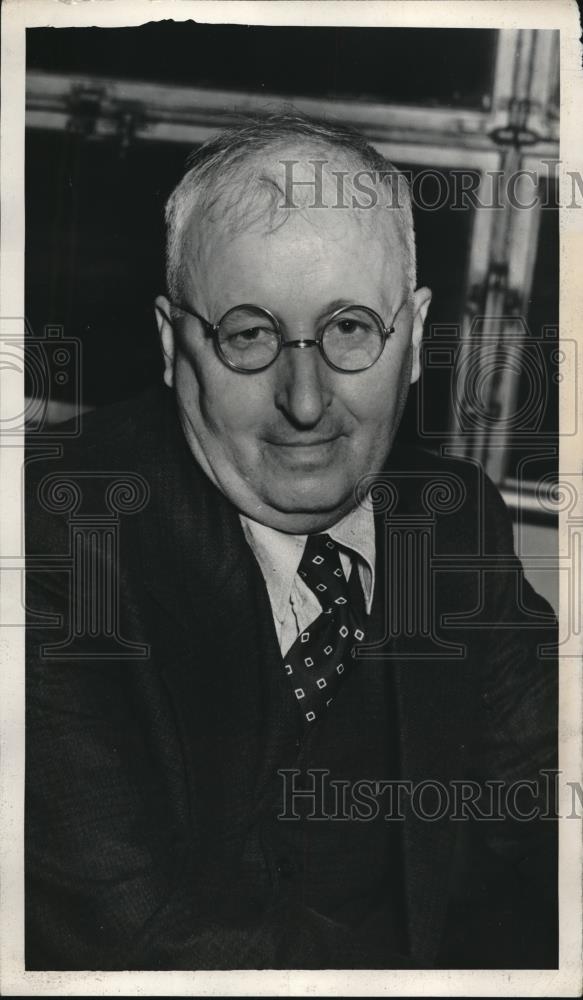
(334,306)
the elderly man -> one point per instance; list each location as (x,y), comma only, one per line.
(244,757)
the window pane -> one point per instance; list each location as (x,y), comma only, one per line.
(543,325)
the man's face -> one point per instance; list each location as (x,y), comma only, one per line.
(289,444)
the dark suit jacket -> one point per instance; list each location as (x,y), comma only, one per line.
(148,744)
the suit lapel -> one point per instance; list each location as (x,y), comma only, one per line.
(429,706)
(430,701)
(201,575)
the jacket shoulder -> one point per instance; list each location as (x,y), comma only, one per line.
(116,446)
(111,432)
(456,493)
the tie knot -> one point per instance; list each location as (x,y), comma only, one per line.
(321,570)
(319,545)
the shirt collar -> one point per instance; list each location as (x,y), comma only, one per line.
(279,554)
(356,531)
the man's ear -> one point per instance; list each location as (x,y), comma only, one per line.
(166,330)
(421,300)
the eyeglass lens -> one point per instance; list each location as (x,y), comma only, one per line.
(249,339)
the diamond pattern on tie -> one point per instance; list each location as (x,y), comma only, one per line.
(317,661)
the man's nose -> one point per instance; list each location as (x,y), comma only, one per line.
(303,390)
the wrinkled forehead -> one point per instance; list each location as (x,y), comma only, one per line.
(291,188)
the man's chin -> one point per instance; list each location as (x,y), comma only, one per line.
(299,523)
(304,512)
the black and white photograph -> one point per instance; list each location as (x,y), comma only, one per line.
(292,443)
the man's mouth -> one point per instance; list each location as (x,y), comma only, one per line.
(303,451)
(303,442)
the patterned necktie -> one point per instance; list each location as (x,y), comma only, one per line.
(321,655)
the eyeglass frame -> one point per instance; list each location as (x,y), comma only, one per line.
(212,330)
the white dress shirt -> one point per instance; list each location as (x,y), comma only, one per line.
(293,604)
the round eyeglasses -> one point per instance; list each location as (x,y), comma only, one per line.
(249,338)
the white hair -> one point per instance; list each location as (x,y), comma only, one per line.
(227,173)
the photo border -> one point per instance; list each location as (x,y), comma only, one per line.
(17,15)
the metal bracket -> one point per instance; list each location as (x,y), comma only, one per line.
(85,107)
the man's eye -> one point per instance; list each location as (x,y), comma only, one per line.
(250,336)
(349,327)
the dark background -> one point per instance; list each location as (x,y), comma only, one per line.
(403,65)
